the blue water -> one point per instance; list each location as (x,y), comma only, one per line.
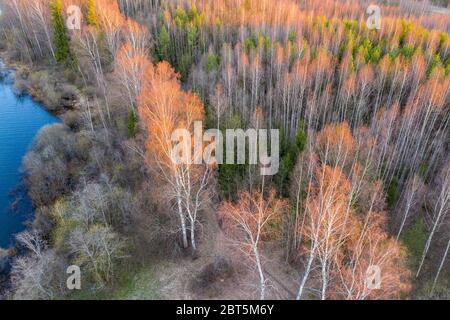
(20,120)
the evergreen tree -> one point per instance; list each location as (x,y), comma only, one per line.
(132,123)
(164,44)
(290,149)
(213,63)
(60,34)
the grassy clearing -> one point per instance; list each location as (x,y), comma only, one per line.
(140,285)
(414,239)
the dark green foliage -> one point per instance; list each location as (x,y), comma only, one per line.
(408,51)
(292,36)
(251,43)
(213,63)
(290,148)
(423,171)
(230,179)
(61,40)
(181,47)
(447,67)
(266,41)
(231,175)
(195,17)
(300,139)
(375,54)
(443,37)
(164,45)
(434,63)
(210,119)
(394,52)
(414,239)
(180,17)
(286,165)
(392,193)
(193,35)
(351,25)
(191,18)
(132,123)
(371,51)
(184,65)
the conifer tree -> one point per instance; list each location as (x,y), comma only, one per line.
(60,35)
(164,44)
(132,123)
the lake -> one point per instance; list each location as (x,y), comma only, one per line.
(20,120)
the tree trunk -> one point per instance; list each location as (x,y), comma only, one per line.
(183,223)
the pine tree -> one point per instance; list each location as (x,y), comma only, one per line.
(60,35)
(132,123)
(164,44)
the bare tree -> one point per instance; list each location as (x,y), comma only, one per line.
(440,210)
(247,224)
(411,196)
(164,108)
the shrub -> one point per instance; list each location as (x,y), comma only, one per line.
(72,119)
(206,282)
(46,165)
(69,94)
(43,88)
(20,86)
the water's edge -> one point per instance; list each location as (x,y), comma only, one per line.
(22,114)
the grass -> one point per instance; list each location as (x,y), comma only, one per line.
(414,239)
(140,285)
(392,194)
(441,290)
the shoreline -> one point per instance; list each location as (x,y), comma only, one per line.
(10,68)
(37,95)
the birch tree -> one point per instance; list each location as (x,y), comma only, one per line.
(247,224)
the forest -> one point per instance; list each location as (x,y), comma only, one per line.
(363,185)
